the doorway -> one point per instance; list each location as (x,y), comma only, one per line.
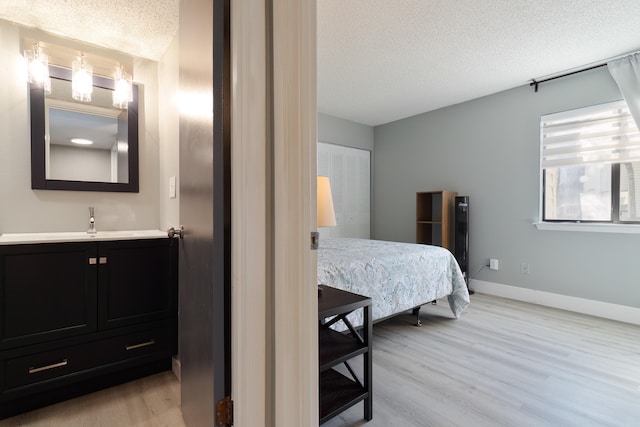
(274,297)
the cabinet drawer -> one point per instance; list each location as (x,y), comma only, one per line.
(73,360)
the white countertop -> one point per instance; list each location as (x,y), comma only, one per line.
(79,236)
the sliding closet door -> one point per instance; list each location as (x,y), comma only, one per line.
(349,170)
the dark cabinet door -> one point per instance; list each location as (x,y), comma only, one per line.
(135,281)
(47,292)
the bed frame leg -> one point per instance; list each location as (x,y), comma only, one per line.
(416,312)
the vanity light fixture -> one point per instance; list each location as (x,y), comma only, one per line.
(38,68)
(81,80)
(82,141)
(122,93)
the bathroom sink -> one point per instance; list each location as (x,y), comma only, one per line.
(78,236)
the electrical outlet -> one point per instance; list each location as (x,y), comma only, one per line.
(524,268)
(493,264)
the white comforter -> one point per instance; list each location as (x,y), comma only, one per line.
(396,276)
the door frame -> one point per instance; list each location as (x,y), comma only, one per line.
(273,166)
(249,210)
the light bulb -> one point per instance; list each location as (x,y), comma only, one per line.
(82,80)
(122,94)
(38,68)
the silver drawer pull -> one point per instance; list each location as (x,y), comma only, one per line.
(142,344)
(64,362)
(103,260)
(93,261)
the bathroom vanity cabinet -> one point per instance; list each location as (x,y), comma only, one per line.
(80,316)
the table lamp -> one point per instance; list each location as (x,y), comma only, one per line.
(326,213)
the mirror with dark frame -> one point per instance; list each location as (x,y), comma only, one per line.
(110,163)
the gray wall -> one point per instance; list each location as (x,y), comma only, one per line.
(344,132)
(488,149)
(25,210)
(77,163)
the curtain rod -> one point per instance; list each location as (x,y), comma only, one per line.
(535,82)
(603,63)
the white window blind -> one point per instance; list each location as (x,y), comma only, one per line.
(603,133)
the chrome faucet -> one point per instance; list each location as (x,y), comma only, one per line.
(92,221)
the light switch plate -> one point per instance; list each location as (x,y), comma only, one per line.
(172,187)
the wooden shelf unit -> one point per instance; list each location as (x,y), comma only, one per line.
(434,218)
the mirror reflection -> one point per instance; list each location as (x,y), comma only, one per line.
(83,146)
(85,141)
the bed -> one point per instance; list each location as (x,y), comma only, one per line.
(397,276)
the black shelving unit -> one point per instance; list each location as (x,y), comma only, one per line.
(339,391)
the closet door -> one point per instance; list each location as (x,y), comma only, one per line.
(349,170)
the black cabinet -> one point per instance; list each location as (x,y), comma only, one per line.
(47,292)
(137,283)
(341,390)
(76,317)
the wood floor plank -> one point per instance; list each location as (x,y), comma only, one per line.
(152,401)
(503,363)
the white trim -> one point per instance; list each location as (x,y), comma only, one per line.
(589,227)
(176,367)
(621,313)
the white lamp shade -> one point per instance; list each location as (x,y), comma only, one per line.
(326,214)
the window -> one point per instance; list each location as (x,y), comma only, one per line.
(590,162)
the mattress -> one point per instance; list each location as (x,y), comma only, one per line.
(396,276)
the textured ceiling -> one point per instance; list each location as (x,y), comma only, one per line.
(382,60)
(141,28)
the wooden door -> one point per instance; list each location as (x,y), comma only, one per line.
(204,266)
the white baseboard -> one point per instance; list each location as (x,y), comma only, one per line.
(621,313)
(175,366)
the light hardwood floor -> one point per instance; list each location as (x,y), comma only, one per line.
(503,363)
(152,401)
